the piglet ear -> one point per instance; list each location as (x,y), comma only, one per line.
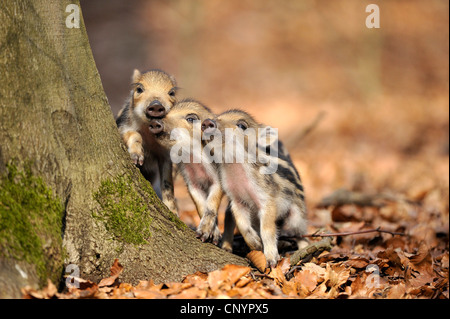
(172,78)
(136,76)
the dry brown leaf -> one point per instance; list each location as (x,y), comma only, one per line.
(245,292)
(396,242)
(226,277)
(394,256)
(358,262)
(258,260)
(423,257)
(174,288)
(277,274)
(285,265)
(47,292)
(422,291)
(290,288)
(235,292)
(320,291)
(336,275)
(335,256)
(86,293)
(85,284)
(197,275)
(198,279)
(116,270)
(319,271)
(51,289)
(360,288)
(264,293)
(144,284)
(235,272)
(148,294)
(445,261)
(307,280)
(126,287)
(396,291)
(243,282)
(216,279)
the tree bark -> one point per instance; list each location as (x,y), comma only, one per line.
(85,203)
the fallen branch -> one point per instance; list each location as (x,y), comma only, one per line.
(357,232)
(311,250)
(379,230)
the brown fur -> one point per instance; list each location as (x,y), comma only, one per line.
(133,120)
(263,205)
(201,178)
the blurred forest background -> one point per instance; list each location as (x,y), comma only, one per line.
(383,92)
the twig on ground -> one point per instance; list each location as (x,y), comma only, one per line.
(357,232)
(310,250)
(365,231)
(325,244)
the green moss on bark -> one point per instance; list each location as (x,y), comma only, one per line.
(123,211)
(30,222)
(125,206)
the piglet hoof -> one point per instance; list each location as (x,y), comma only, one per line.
(272,261)
(212,237)
(216,237)
(200,235)
(138,159)
(227,247)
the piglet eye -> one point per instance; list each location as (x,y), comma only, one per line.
(172,92)
(191,118)
(139,90)
(242,126)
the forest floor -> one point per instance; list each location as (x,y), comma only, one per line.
(385,168)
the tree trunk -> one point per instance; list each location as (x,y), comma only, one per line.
(68,191)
